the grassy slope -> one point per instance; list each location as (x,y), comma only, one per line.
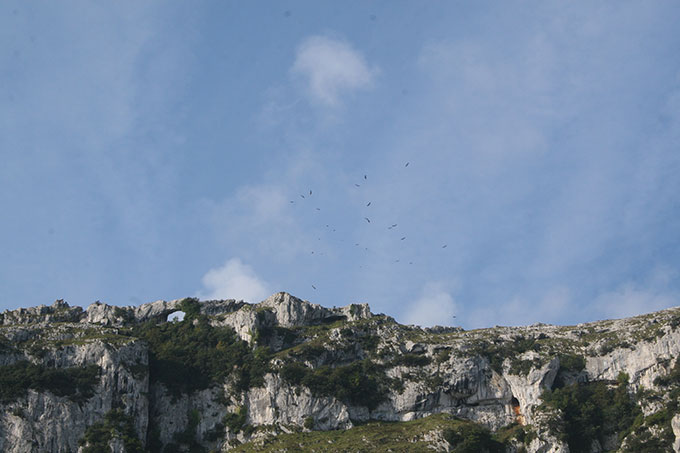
(383,437)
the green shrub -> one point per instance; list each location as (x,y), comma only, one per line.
(188,436)
(76,383)
(360,383)
(671,378)
(5,345)
(514,431)
(497,352)
(191,308)
(572,362)
(471,438)
(294,372)
(188,356)
(641,439)
(443,356)
(523,367)
(590,412)
(124,313)
(369,342)
(311,352)
(265,335)
(309,423)
(115,424)
(411,360)
(236,421)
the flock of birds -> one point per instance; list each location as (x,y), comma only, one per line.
(307,196)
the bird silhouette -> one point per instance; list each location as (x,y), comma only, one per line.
(313,286)
(365,177)
(310,192)
(403,238)
(407,164)
(444,246)
(302,196)
(357,185)
(367,219)
(369,203)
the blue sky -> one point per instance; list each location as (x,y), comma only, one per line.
(157,150)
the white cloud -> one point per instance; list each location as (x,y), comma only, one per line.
(234,280)
(548,308)
(331,68)
(434,307)
(266,203)
(628,300)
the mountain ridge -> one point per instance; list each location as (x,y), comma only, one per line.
(235,375)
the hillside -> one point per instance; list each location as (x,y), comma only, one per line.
(289,375)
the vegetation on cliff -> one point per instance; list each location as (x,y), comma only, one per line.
(76,383)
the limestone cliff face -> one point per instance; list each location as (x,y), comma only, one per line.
(296,366)
(43,421)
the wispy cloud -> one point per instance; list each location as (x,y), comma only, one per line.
(331,68)
(234,280)
(656,292)
(84,121)
(551,307)
(631,300)
(435,306)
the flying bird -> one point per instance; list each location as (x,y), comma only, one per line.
(406,164)
(365,177)
(302,196)
(369,203)
(318,209)
(313,286)
(444,246)
(310,192)
(367,219)
(403,238)
(357,185)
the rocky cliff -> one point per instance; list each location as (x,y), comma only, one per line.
(289,375)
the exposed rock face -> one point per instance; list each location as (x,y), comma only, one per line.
(307,367)
(278,403)
(293,312)
(43,421)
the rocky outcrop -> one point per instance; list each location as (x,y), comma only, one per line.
(302,366)
(293,312)
(44,421)
(59,311)
(278,403)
